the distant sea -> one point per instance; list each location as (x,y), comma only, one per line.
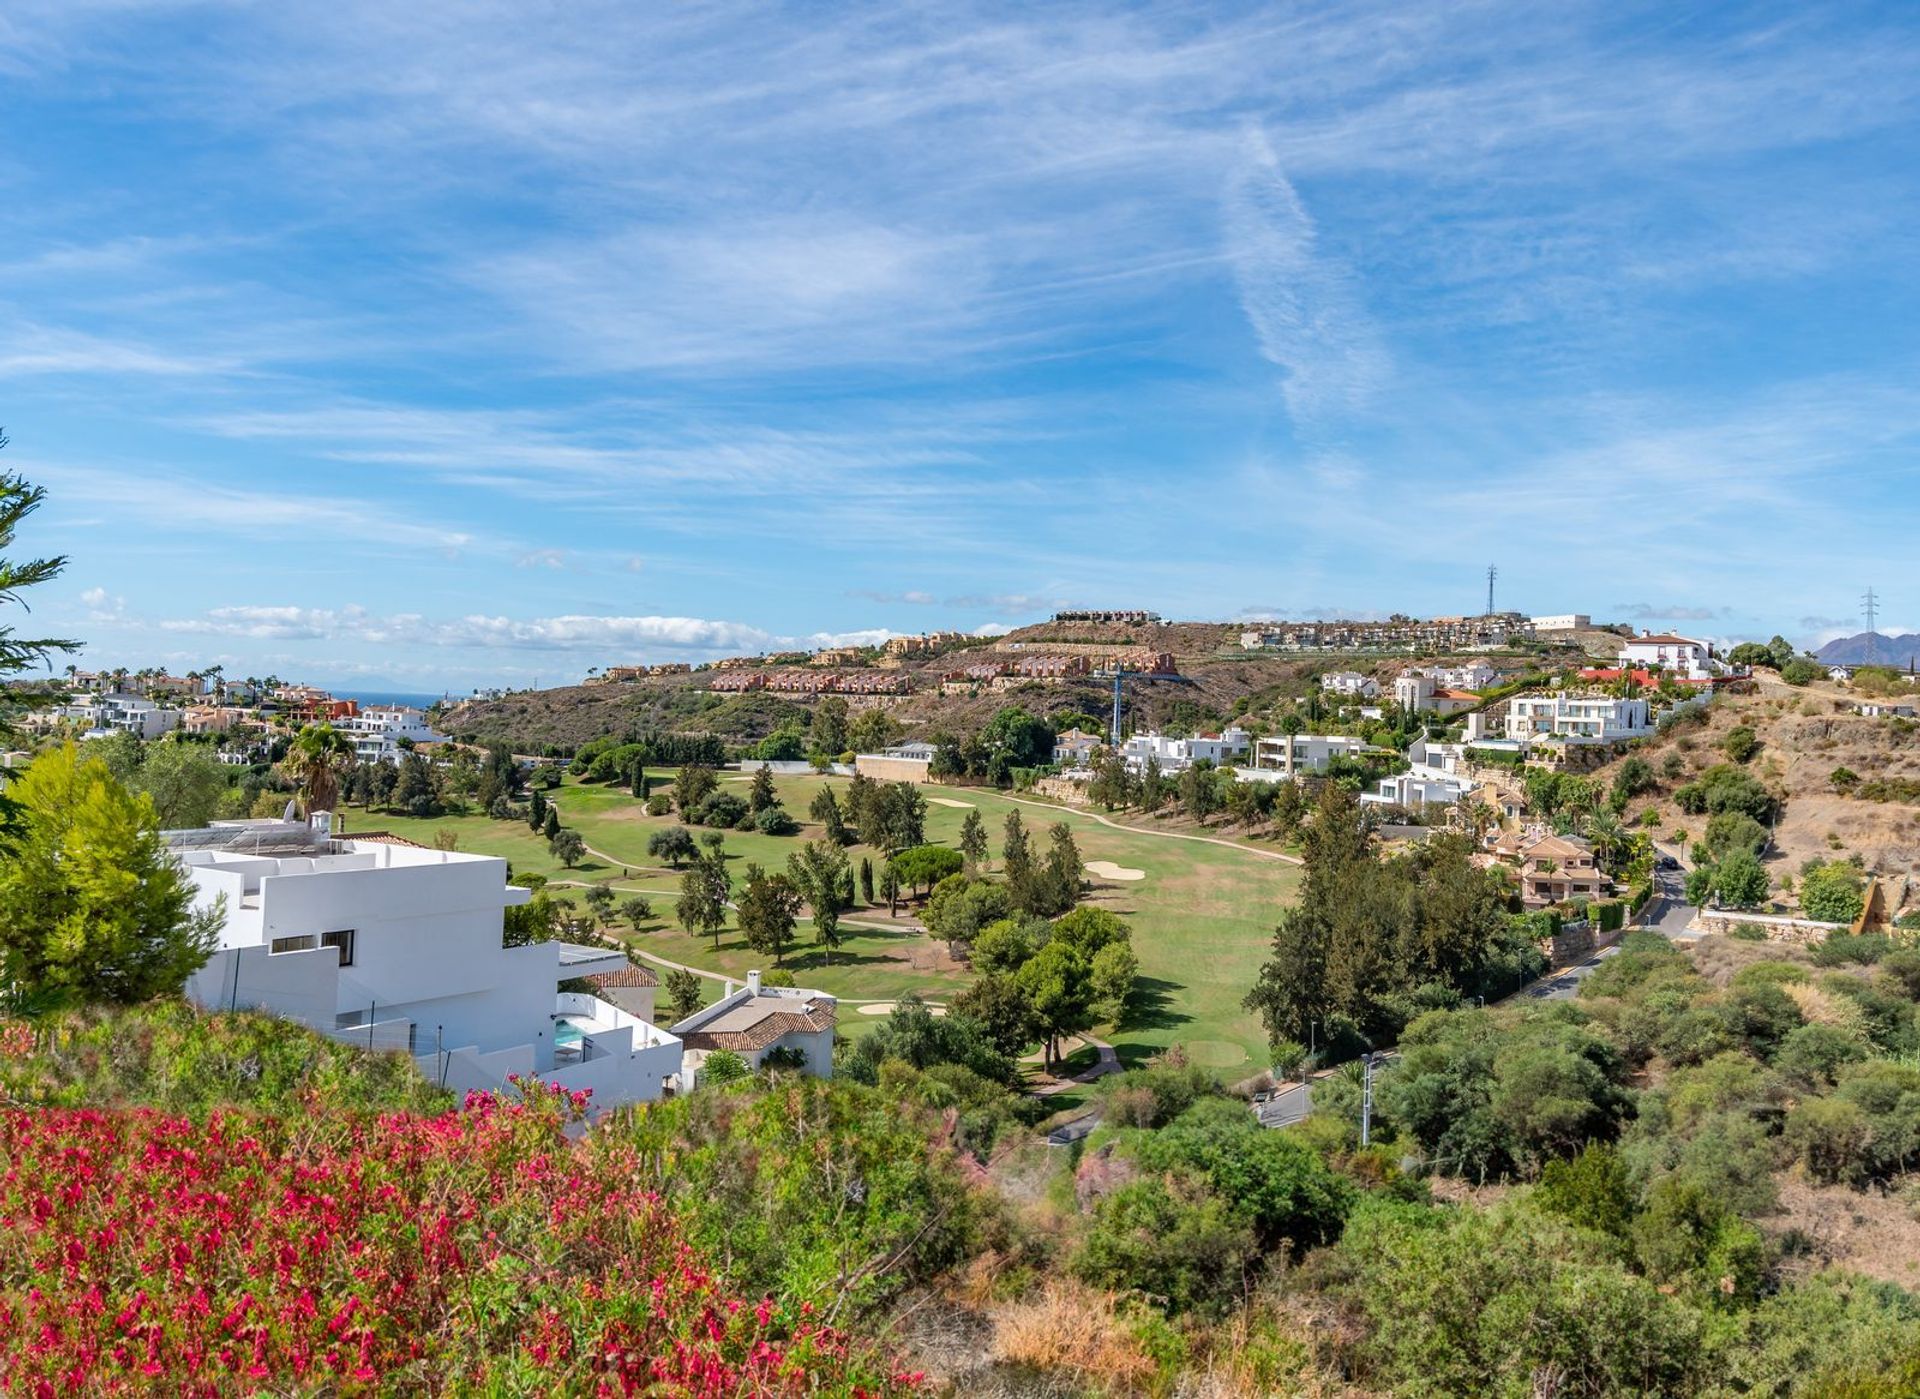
(374,697)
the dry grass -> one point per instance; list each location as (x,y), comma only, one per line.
(1863,1231)
(1070,1329)
(1719,958)
(1821,1007)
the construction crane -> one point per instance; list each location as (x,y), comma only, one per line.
(1119,676)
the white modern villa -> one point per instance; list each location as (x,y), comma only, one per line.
(377,941)
(377,733)
(1577,718)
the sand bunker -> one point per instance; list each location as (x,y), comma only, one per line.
(1107,869)
(947,801)
(886,1008)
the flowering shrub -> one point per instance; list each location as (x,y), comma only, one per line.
(467,1252)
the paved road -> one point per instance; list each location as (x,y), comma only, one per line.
(1671,912)
(1286,1107)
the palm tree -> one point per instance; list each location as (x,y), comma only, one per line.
(1607,837)
(315,760)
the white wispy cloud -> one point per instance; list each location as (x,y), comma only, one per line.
(639,635)
(1302,305)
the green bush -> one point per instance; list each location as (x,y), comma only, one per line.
(1470,1304)
(1171,1239)
(166,1055)
(812,1190)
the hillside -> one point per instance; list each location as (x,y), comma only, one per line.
(1805,735)
(1216,681)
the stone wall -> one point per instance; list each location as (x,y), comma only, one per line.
(1778,927)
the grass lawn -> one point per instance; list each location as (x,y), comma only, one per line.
(1202,916)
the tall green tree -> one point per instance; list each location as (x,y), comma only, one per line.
(973,841)
(93,907)
(704,890)
(769,909)
(827,736)
(185,783)
(761,796)
(822,873)
(826,810)
(683,993)
(19,654)
(691,786)
(1016,858)
(1058,984)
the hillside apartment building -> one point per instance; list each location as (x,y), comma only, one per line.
(379,942)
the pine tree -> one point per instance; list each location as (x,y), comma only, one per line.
(866,880)
(973,840)
(551,827)
(537,811)
(93,906)
(1016,861)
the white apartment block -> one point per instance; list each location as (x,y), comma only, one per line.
(1288,754)
(1679,654)
(1350,682)
(1578,718)
(396,947)
(376,733)
(1563,621)
(1413,789)
(118,713)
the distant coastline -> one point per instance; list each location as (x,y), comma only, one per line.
(415,699)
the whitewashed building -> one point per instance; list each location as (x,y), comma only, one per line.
(1680,654)
(1178,754)
(1350,683)
(1288,754)
(377,733)
(382,943)
(1577,718)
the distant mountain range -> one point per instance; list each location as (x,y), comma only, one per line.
(1886,650)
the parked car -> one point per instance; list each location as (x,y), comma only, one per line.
(1667,862)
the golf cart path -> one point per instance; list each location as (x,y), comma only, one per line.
(1163,835)
(660,961)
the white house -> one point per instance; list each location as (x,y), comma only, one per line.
(1075,748)
(1291,753)
(121,713)
(1350,682)
(1414,789)
(376,733)
(1563,621)
(755,1021)
(1179,754)
(383,943)
(1476,674)
(1879,709)
(1580,718)
(1418,692)
(1679,654)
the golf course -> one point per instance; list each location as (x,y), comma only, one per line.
(1202,908)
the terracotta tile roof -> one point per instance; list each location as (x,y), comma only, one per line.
(626,976)
(772,1024)
(381,838)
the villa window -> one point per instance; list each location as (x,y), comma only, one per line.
(342,939)
(303,942)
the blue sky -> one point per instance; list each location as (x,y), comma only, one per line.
(438,345)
